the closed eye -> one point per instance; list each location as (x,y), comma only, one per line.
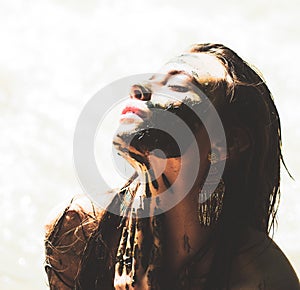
(177,88)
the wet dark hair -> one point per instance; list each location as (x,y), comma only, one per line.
(251,106)
(252,186)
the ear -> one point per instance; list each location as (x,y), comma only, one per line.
(238,141)
(220,152)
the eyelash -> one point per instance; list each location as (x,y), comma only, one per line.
(179,88)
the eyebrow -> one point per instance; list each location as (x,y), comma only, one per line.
(176,72)
(191,77)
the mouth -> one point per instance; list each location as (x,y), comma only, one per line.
(134,113)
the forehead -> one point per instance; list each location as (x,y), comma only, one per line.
(201,66)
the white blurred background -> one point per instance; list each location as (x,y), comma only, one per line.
(55,54)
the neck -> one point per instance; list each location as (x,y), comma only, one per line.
(182,235)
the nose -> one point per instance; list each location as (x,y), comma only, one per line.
(140,92)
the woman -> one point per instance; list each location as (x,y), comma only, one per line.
(197,225)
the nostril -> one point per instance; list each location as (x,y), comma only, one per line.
(140,93)
(147,95)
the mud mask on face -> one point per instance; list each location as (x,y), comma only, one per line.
(175,137)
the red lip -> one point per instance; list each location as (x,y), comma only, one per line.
(134,110)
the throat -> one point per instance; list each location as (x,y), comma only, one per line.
(177,231)
(161,230)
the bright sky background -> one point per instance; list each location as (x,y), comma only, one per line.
(55,54)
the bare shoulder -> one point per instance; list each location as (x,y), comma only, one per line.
(79,212)
(263,266)
(66,236)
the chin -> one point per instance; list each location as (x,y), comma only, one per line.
(142,142)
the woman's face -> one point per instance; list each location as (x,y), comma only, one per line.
(168,97)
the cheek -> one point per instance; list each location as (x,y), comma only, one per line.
(195,164)
(167,97)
